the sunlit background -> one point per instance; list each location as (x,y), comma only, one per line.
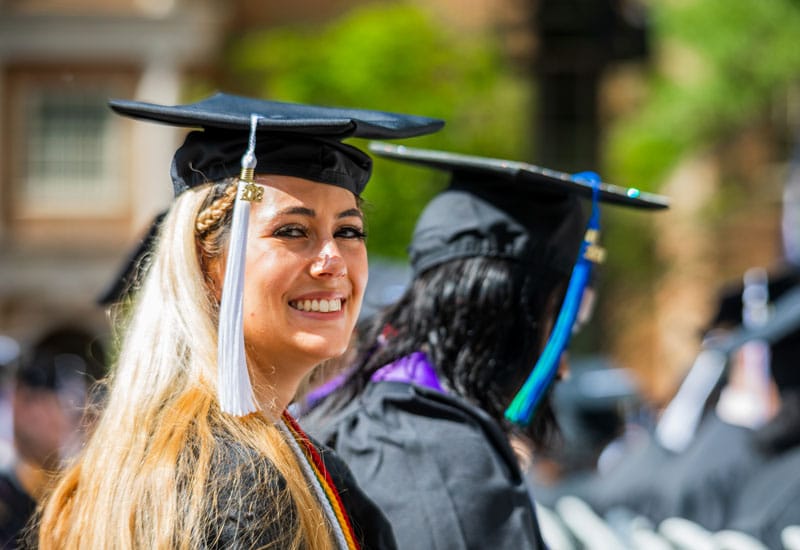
(696,99)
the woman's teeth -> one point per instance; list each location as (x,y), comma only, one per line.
(323,306)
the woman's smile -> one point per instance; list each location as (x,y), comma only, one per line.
(321,304)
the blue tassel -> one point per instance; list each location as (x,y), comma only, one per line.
(526,401)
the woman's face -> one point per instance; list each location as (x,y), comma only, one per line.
(305,273)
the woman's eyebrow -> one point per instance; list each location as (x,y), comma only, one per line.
(311,213)
(298,210)
(350,212)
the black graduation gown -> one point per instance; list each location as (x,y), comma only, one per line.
(232,522)
(16,507)
(235,519)
(441,469)
(770,500)
(700,483)
(631,484)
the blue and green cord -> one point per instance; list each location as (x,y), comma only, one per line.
(526,401)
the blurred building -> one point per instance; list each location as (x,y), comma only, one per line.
(74,189)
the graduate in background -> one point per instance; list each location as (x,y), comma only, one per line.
(51,417)
(704,446)
(598,407)
(421,420)
(768,501)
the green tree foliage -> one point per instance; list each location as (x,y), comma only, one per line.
(395,57)
(719,66)
(727,61)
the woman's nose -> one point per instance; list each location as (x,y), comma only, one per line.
(329,262)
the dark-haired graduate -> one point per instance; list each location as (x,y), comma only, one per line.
(194,448)
(500,261)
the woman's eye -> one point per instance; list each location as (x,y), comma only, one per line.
(291,231)
(351,233)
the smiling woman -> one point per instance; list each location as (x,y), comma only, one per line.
(253,282)
(307,266)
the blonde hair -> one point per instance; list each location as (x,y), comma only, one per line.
(145,478)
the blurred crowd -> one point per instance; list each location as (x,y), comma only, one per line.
(716,468)
(49,393)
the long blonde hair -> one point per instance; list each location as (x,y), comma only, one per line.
(144,478)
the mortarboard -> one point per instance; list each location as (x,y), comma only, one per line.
(506,209)
(590,405)
(781,330)
(240,136)
(518,211)
(294,139)
(730,298)
(130,275)
(62,354)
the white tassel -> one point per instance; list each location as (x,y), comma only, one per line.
(234,389)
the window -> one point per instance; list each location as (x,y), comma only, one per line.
(67,164)
(64,149)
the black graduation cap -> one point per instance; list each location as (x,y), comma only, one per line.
(781,331)
(505,209)
(130,275)
(730,297)
(62,354)
(590,403)
(293,139)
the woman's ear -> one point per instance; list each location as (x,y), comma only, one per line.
(214,275)
(211,258)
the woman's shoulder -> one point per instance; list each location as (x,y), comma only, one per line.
(229,453)
(369,522)
(248,504)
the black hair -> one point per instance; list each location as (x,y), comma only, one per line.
(482,322)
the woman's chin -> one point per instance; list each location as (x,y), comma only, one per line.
(319,349)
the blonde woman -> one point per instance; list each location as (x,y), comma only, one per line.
(240,301)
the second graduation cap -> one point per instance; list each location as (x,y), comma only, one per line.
(504,209)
